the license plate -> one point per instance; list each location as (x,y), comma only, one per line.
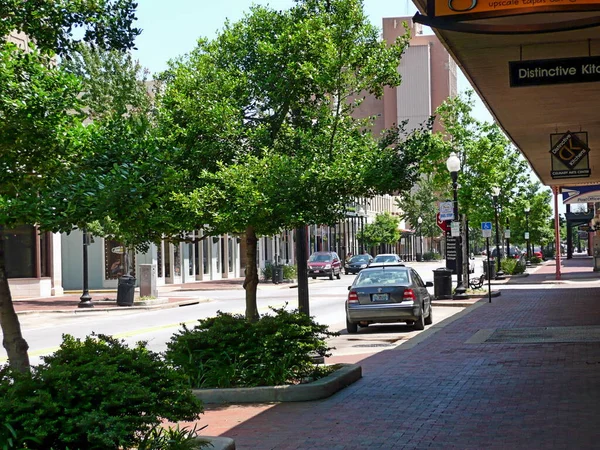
(379,297)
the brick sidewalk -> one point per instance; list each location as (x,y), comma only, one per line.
(447,392)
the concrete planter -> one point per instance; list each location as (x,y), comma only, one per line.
(322,388)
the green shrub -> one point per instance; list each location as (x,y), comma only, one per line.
(267,272)
(229,351)
(289,272)
(431,256)
(159,438)
(95,394)
(535,260)
(512,266)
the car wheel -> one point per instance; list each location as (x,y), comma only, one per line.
(351,327)
(420,322)
(429,318)
(365,325)
(331,274)
(314,278)
(339,275)
(346,272)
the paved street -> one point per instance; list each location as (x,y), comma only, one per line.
(43,330)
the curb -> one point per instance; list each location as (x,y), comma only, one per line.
(117,308)
(323,388)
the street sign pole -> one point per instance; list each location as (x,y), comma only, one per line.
(487,252)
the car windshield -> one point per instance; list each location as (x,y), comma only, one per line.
(385,258)
(381,277)
(360,258)
(319,258)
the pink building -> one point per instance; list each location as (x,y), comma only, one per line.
(429,77)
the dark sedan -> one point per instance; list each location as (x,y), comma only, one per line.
(388,294)
(357,263)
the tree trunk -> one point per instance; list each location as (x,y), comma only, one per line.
(251,281)
(16,347)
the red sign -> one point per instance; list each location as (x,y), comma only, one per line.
(443,224)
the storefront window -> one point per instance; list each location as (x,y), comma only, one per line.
(45,254)
(114,259)
(19,251)
(205,256)
(197,258)
(230,244)
(177,260)
(159,258)
(167,260)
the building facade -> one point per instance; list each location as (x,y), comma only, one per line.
(210,258)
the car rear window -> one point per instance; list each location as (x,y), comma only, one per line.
(381,277)
(320,258)
(388,258)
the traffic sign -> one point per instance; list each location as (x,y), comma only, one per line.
(441,223)
(486,229)
(455,229)
(446,211)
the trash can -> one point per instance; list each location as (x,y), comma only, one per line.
(125,290)
(277,274)
(419,257)
(491,271)
(442,283)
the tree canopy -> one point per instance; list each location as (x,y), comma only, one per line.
(259,122)
(40,134)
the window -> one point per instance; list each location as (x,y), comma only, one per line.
(417,278)
(114,259)
(159,261)
(20,251)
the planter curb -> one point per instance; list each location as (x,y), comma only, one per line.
(322,388)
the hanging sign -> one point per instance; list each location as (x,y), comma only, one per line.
(569,153)
(540,72)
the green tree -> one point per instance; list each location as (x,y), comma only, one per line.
(39,134)
(384,230)
(421,201)
(259,123)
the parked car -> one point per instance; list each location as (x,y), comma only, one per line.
(386,258)
(388,294)
(324,264)
(537,251)
(514,252)
(357,263)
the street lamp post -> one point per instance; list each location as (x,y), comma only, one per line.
(453,165)
(527,234)
(495,194)
(507,236)
(85,301)
(420,222)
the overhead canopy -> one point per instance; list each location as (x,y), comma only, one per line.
(536,116)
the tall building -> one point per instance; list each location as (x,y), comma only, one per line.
(429,77)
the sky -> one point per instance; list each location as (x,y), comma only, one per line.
(170,28)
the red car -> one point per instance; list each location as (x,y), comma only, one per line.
(324,264)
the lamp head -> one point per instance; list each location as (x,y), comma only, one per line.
(453,163)
(419,221)
(527,209)
(495,191)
